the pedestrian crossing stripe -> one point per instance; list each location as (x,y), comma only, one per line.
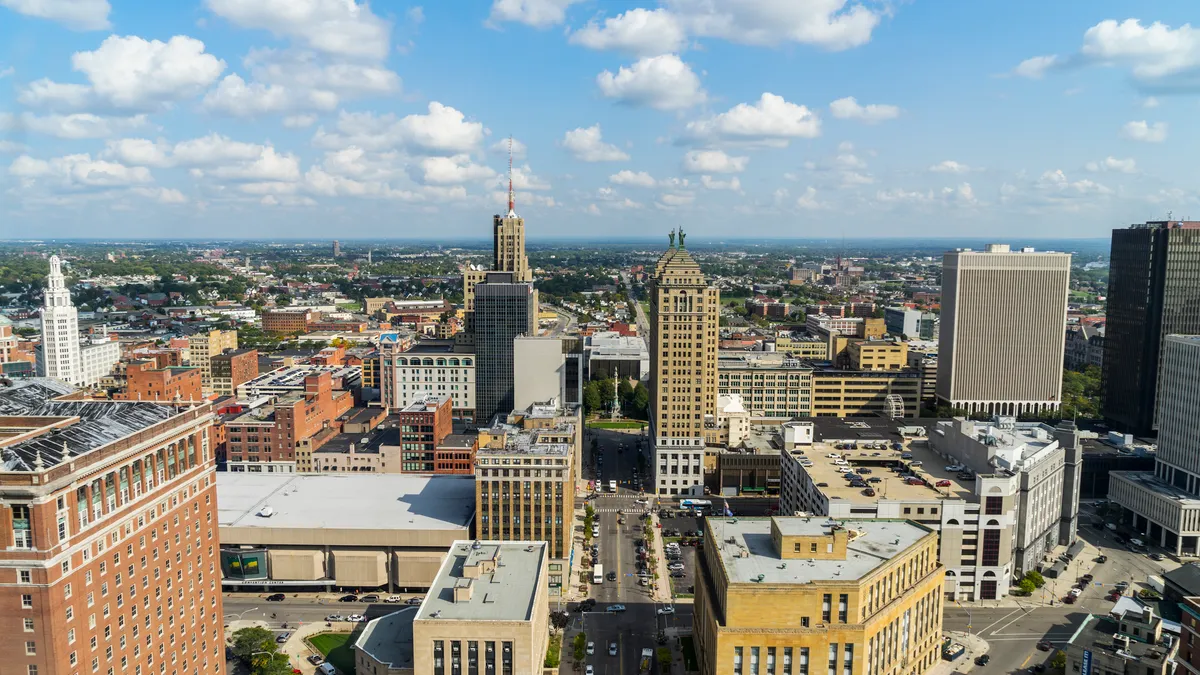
(614,509)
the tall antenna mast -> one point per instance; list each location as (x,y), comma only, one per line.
(511,196)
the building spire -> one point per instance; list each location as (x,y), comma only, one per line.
(511,195)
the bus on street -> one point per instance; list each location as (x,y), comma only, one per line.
(598,574)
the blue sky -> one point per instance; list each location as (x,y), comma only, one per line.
(773,118)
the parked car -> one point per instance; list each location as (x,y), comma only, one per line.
(591,647)
(415,601)
(874,479)
(590,670)
(612,649)
(393,598)
(822,484)
(356,618)
(676,567)
(1045,645)
(348,598)
(912,480)
(982,660)
(943,483)
(369,598)
(1156,556)
(677,575)
(315,659)
(335,617)
(1069,599)
(852,476)
(1122,585)
(864,471)
(615,608)
(869,492)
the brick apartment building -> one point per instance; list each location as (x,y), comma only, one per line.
(271,437)
(144,382)
(232,368)
(108,540)
(287,320)
(424,424)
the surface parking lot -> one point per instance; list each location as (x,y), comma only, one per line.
(682,585)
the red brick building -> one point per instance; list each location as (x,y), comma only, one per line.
(423,426)
(455,455)
(231,368)
(144,382)
(108,537)
(287,320)
(274,437)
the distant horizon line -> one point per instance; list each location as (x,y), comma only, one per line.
(637,239)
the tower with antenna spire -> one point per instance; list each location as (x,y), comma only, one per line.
(508,245)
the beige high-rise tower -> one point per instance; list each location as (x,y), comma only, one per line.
(508,247)
(683,368)
(1004,316)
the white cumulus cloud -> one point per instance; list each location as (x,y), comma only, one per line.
(1112,164)
(1145,132)
(662,82)
(849,109)
(443,130)
(72,126)
(641,32)
(78,171)
(74,14)
(711,183)
(1035,68)
(829,24)
(586,145)
(339,27)
(769,121)
(627,177)
(713,161)
(949,166)
(536,13)
(453,170)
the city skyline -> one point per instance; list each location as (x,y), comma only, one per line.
(340,119)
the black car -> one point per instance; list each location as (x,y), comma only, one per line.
(874,479)
(982,660)
(866,470)
(276,597)
(677,575)
(611,576)
(348,598)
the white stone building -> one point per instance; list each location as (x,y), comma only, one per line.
(61,354)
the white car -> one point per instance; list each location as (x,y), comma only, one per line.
(591,648)
(356,618)
(675,567)
(590,670)
(335,617)
(668,609)
(844,469)
(643,501)
(955,467)
(833,455)
(393,598)
(612,649)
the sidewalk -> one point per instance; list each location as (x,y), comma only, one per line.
(976,646)
(295,647)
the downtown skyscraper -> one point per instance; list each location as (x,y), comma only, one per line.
(684,312)
(1153,292)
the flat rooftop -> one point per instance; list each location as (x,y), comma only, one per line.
(292,377)
(363,443)
(1147,481)
(389,639)
(877,542)
(345,501)
(878,462)
(506,594)
(1096,634)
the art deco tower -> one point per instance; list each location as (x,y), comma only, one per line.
(508,247)
(61,356)
(684,310)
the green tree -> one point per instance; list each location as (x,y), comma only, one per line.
(580,645)
(641,400)
(592,399)
(246,641)
(607,389)
(1036,577)
(625,390)
(1027,586)
(1059,661)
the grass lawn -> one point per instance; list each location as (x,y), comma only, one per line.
(618,424)
(337,648)
(689,652)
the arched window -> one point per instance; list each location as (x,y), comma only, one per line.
(952,521)
(454,362)
(988,574)
(441,362)
(993,523)
(427,361)
(402,362)
(466,362)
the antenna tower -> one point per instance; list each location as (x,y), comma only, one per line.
(511,199)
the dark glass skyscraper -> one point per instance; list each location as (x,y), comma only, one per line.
(1153,291)
(504,309)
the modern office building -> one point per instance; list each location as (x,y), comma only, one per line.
(487,612)
(1004,316)
(410,372)
(911,323)
(339,531)
(608,354)
(203,346)
(62,353)
(811,595)
(1153,291)
(1012,497)
(98,495)
(866,393)
(770,384)
(525,472)
(684,312)
(1165,505)
(505,309)
(539,370)
(876,355)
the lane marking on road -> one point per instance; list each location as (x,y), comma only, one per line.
(1026,661)
(989,626)
(999,630)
